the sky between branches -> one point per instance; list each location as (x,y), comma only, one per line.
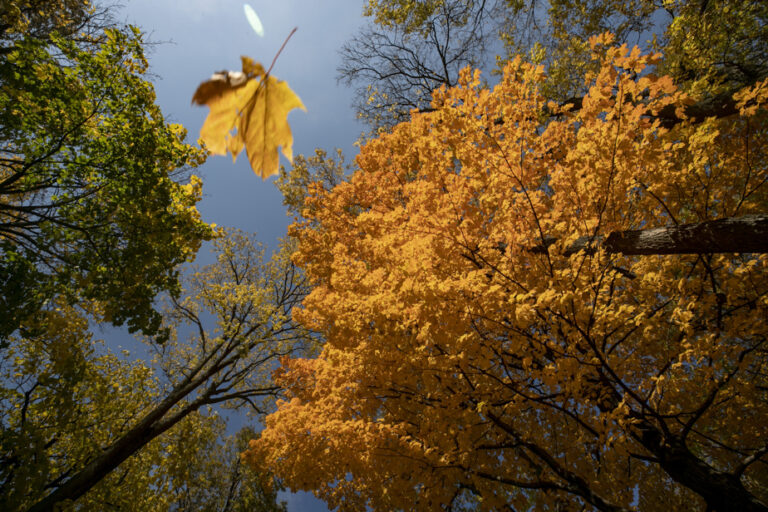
(194,39)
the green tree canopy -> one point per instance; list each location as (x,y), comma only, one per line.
(93,205)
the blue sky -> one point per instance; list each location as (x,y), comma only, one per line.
(198,37)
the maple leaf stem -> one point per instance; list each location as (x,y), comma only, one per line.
(266,75)
(280,51)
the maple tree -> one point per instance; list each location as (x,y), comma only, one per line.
(463,370)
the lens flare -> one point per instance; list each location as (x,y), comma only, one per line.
(254,20)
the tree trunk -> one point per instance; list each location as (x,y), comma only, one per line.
(148,428)
(720,106)
(721,491)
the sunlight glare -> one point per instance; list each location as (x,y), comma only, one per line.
(254,20)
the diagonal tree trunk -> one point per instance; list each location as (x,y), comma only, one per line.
(148,428)
(722,491)
(154,423)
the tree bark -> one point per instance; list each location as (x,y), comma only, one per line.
(747,234)
(722,105)
(721,491)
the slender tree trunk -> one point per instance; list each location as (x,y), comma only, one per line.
(148,428)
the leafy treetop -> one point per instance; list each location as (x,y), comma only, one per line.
(93,201)
(464,370)
(711,48)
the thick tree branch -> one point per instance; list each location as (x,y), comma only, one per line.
(721,490)
(722,105)
(746,234)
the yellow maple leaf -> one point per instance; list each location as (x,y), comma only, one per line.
(225,106)
(256,106)
(264,126)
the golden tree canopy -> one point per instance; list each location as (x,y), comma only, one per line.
(463,369)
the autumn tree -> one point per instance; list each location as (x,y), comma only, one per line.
(96,203)
(712,47)
(465,367)
(395,67)
(85,425)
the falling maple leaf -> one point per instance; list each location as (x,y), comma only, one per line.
(256,106)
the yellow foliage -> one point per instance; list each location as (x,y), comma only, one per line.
(409,13)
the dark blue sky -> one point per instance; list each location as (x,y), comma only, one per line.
(198,37)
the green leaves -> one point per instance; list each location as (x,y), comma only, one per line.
(65,397)
(254,104)
(91,182)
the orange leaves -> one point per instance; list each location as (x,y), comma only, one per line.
(752,98)
(254,104)
(456,357)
